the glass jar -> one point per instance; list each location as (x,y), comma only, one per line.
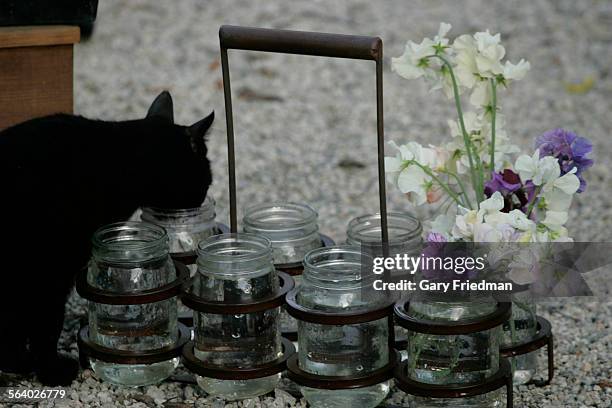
(521,327)
(453,359)
(293,231)
(236,268)
(332,282)
(404,233)
(291,228)
(130,257)
(185,227)
(405,237)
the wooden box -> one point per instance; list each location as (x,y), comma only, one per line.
(36,72)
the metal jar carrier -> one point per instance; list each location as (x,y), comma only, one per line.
(128,319)
(502,377)
(324,45)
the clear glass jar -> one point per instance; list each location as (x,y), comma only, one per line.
(236,268)
(332,282)
(185,227)
(404,233)
(291,228)
(405,237)
(129,257)
(293,231)
(520,327)
(453,359)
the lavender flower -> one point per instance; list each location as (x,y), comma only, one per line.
(436,237)
(570,149)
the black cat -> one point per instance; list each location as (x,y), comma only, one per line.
(62,177)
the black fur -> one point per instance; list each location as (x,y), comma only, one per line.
(62,177)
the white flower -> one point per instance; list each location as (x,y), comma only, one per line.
(567,183)
(519,220)
(478,59)
(465,224)
(414,182)
(525,265)
(489,55)
(557,198)
(409,177)
(443,224)
(555,219)
(465,60)
(493,204)
(481,95)
(488,232)
(414,62)
(517,71)
(539,171)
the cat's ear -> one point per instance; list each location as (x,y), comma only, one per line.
(197,133)
(162,107)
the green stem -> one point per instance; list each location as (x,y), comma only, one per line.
(467,198)
(466,139)
(493,114)
(446,188)
(532,204)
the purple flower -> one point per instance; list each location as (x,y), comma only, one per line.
(516,194)
(435,237)
(570,149)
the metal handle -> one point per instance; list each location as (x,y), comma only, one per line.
(304,43)
(300,42)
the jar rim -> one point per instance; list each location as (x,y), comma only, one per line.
(351,274)
(257,247)
(158,235)
(305,215)
(406,227)
(207,205)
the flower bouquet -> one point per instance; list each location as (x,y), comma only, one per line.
(485,195)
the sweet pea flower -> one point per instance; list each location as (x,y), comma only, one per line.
(538,170)
(558,193)
(516,72)
(465,224)
(569,149)
(509,184)
(411,178)
(414,62)
(489,54)
(443,225)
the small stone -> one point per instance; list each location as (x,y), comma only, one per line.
(189,393)
(157,394)
(251,403)
(284,397)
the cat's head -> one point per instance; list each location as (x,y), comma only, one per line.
(180,173)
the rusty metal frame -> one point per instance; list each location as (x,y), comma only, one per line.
(502,378)
(543,337)
(302,43)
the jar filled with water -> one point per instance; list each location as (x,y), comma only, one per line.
(236,268)
(292,230)
(185,227)
(333,282)
(521,327)
(128,258)
(405,237)
(453,359)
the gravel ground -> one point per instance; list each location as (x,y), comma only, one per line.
(322,112)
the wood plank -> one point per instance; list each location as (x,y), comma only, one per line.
(33,36)
(35,81)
